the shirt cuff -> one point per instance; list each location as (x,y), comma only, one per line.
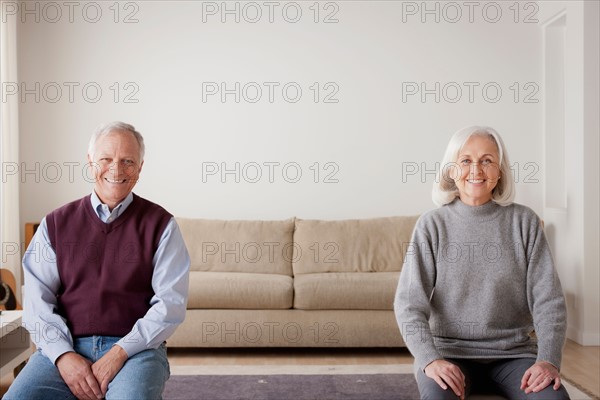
(131,347)
(57,349)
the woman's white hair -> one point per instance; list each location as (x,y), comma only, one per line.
(116,126)
(444,188)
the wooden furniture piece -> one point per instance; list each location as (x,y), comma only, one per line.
(15,344)
(8,298)
(30,229)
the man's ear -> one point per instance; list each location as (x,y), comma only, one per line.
(89,158)
(141,165)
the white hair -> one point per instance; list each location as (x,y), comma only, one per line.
(116,126)
(444,188)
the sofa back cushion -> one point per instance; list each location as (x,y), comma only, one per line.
(239,246)
(368,245)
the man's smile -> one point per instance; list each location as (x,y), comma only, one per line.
(115,181)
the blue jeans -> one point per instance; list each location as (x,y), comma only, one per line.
(143,376)
(501,377)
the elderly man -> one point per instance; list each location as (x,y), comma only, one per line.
(109,287)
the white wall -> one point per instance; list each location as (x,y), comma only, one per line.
(371,136)
(572,226)
(591,300)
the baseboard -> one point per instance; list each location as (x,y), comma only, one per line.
(590,339)
(582,337)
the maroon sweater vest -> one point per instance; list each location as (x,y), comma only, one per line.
(105,269)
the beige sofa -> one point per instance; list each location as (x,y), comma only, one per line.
(293,283)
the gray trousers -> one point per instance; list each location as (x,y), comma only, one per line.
(501,377)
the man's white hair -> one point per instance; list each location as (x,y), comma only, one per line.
(111,127)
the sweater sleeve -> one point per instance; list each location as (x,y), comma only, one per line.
(412,301)
(545,298)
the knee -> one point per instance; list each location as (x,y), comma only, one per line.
(142,377)
(150,390)
(435,394)
(22,389)
(38,380)
(550,394)
(429,389)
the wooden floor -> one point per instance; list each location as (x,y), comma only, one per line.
(580,364)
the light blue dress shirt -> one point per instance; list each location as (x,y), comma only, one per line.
(170,282)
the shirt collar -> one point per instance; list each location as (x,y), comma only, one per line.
(102,209)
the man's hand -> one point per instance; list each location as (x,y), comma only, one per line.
(107,367)
(447,374)
(77,373)
(539,376)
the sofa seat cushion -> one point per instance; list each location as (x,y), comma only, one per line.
(346,291)
(240,290)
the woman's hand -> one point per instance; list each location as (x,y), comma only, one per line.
(539,376)
(447,375)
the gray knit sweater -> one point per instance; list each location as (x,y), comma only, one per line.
(476,282)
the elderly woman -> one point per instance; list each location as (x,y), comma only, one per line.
(478,280)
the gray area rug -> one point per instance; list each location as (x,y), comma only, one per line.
(292,387)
